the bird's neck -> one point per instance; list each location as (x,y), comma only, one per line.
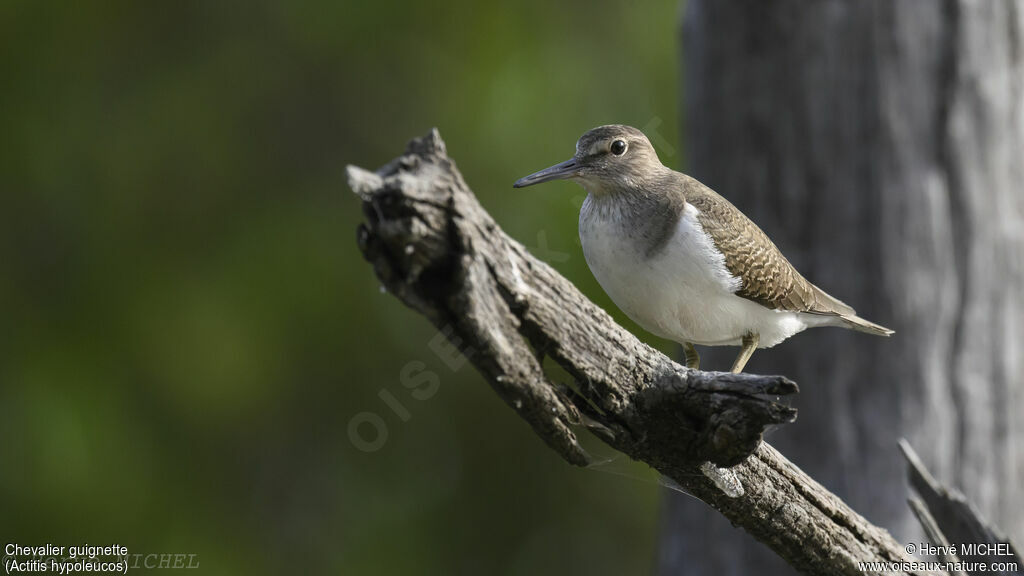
(642,217)
(635,198)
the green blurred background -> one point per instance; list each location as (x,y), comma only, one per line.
(190,326)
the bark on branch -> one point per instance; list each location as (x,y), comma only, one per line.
(434,247)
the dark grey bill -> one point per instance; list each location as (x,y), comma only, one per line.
(561,171)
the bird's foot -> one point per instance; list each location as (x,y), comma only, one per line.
(750,342)
(692,357)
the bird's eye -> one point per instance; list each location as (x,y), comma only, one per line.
(619,147)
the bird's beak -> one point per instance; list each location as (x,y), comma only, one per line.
(560,171)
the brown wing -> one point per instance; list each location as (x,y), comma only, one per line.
(767,277)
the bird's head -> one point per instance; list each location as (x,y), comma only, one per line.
(607,159)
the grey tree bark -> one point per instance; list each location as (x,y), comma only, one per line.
(881,145)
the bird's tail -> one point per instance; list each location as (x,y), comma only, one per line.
(859,324)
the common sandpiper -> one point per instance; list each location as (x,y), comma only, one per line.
(682,261)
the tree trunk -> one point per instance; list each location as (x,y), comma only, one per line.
(881,145)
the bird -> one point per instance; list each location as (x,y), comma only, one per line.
(680,260)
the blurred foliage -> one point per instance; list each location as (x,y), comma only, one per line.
(190,326)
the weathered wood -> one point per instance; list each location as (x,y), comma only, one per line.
(435,248)
(880,144)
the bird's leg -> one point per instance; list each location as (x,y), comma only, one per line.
(750,342)
(692,357)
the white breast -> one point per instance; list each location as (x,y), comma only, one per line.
(683,292)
